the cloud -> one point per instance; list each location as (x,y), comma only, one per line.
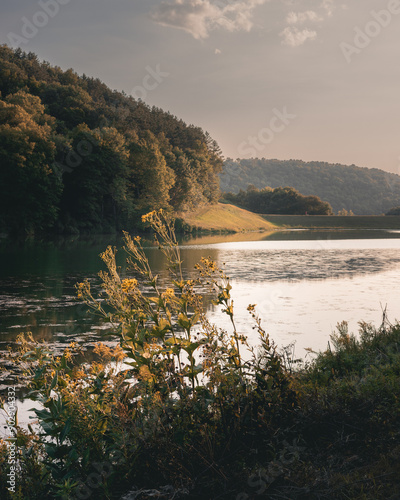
(200,17)
(329,6)
(302,17)
(218,51)
(294,37)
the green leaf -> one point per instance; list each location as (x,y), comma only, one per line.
(187,323)
(42,414)
(54,381)
(156,300)
(86,457)
(102,425)
(183,321)
(173,341)
(65,431)
(51,450)
(73,455)
(63,364)
(191,347)
(161,328)
(189,372)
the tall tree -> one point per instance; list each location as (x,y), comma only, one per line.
(30,187)
(95,191)
(151,177)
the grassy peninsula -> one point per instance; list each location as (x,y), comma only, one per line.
(225,218)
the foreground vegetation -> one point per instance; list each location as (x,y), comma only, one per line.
(195,412)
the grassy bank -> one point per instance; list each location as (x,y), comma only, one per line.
(224,218)
(333,222)
(329,430)
(229,218)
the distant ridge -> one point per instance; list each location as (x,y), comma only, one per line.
(365,191)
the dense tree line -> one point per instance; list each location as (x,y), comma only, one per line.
(75,155)
(281,200)
(361,190)
(393,211)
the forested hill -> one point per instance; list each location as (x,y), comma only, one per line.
(75,155)
(364,191)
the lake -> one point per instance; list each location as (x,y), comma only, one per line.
(303,282)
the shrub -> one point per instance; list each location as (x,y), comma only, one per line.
(178,401)
(394,211)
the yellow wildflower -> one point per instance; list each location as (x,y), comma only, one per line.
(229,310)
(209,264)
(148,217)
(168,295)
(67,354)
(145,374)
(157,397)
(102,350)
(118,354)
(82,288)
(96,368)
(129,285)
(78,373)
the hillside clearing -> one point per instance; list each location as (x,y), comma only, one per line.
(225,218)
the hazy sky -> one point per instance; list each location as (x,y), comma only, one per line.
(311,80)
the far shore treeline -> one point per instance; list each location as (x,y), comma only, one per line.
(280,201)
(363,191)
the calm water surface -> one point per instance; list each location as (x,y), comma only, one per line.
(303,283)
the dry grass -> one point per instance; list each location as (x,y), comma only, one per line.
(221,217)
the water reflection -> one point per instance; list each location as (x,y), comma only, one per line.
(291,275)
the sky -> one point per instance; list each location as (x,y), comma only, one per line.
(316,80)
